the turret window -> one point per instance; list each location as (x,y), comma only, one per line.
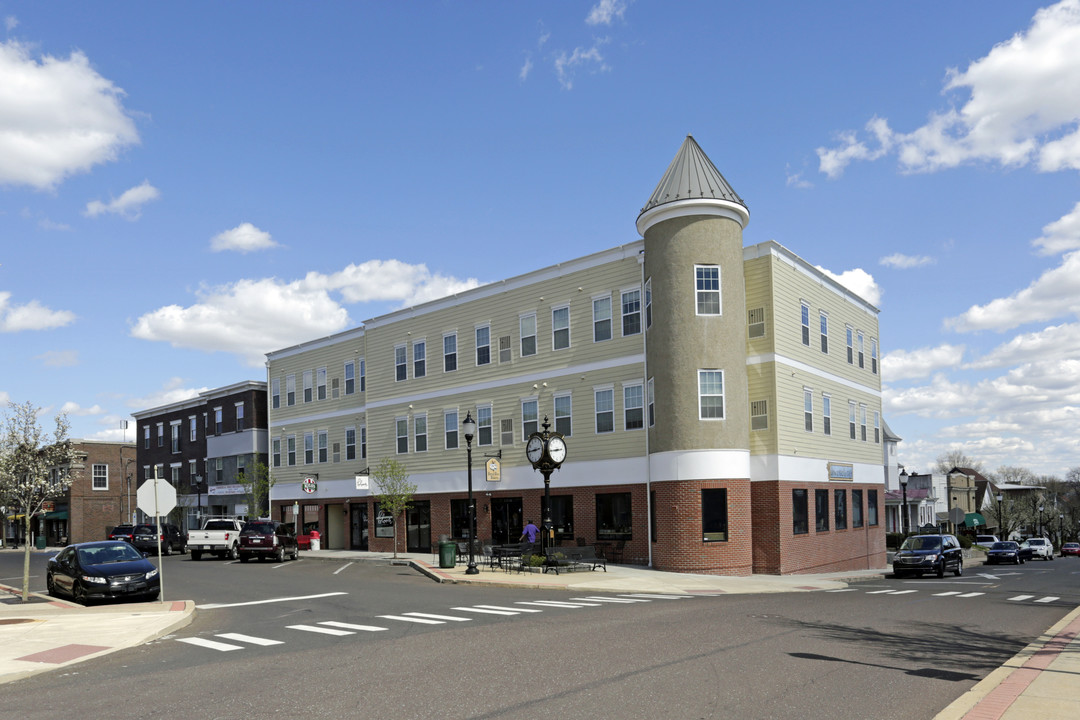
(707,284)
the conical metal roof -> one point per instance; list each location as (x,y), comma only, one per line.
(691,176)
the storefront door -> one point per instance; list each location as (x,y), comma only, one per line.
(506,522)
(358,535)
(418,524)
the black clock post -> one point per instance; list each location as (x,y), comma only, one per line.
(546,451)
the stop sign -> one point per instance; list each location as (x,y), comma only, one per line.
(156,497)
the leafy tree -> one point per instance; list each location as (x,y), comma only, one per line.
(954,458)
(257,483)
(34,467)
(395,492)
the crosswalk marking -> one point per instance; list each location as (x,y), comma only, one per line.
(450,618)
(422,621)
(510,609)
(971,594)
(656,596)
(576,603)
(904,592)
(351,626)
(323,630)
(211,644)
(1022,597)
(249,639)
(878,592)
(492,610)
(610,600)
(1047,600)
(950,592)
(549,604)
(842,590)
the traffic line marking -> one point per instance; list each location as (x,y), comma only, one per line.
(904,592)
(879,592)
(611,600)
(249,639)
(422,621)
(342,568)
(351,626)
(492,611)
(950,592)
(656,597)
(842,590)
(323,630)
(548,604)
(211,644)
(576,603)
(438,617)
(500,607)
(1022,597)
(1047,600)
(972,594)
(215,606)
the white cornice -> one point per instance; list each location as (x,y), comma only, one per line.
(686,208)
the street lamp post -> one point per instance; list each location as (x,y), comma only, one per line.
(1061,527)
(1041,533)
(469,427)
(903,486)
(1001,519)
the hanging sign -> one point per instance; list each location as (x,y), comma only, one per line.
(494,470)
(309,485)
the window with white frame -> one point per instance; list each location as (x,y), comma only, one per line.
(309,448)
(100,477)
(308,382)
(174,474)
(241,468)
(648,303)
(174,436)
(605,410)
(560,328)
(759,415)
(707,288)
(530,422)
(219,470)
(824,330)
(804,319)
(859,337)
(631,312)
(363,375)
(483,425)
(324,446)
(506,432)
(290,390)
(563,414)
(239,416)
(419,358)
(850,334)
(449,344)
(401,367)
(873,355)
(275,393)
(483,345)
(652,403)
(601,318)
(218,421)
(401,427)
(826,414)
(450,429)
(275,452)
(504,348)
(146,436)
(320,383)
(350,443)
(363,442)
(711,394)
(808,409)
(527,326)
(877,427)
(193,428)
(633,407)
(161,434)
(193,475)
(862,421)
(350,377)
(851,418)
(290,450)
(420,433)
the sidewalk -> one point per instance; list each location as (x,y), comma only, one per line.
(1043,680)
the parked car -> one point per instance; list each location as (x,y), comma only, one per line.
(986,540)
(929,553)
(218,536)
(1006,551)
(102,570)
(1070,549)
(267,538)
(146,539)
(1040,548)
(122,532)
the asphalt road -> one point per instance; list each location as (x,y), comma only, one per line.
(885,649)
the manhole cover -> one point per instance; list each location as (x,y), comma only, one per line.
(16,621)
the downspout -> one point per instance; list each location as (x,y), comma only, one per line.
(269,449)
(648,424)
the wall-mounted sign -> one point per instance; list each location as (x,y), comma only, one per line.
(309,485)
(362,482)
(494,470)
(841,471)
(226,490)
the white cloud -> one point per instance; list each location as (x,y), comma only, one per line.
(904,364)
(11,22)
(1052,343)
(1021,107)
(796,180)
(47,224)
(31,316)
(71,408)
(244,238)
(173,391)
(1061,235)
(566,66)
(525,70)
(605,11)
(393,280)
(1056,293)
(906,262)
(59,358)
(128,205)
(57,117)
(859,282)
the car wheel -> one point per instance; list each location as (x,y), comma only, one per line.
(1017,561)
(295,554)
(79,595)
(196,555)
(959,568)
(1050,557)
(50,587)
(280,556)
(233,553)
(167,551)
(940,572)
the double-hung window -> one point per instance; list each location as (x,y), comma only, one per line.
(631,312)
(529,418)
(707,288)
(307,386)
(449,344)
(652,404)
(420,432)
(290,390)
(805,322)
(851,418)
(808,409)
(363,376)
(290,449)
(560,328)
(873,355)
(648,303)
(563,412)
(633,407)
(824,320)
(363,442)
(350,443)
(877,427)
(601,313)
(605,410)
(483,345)
(419,358)
(711,394)
(483,425)
(401,426)
(320,383)
(527,326)
(275,447)
(275,393)
(350,378)
(174,436)
(862,423)
(101,477)
(401,368)
(323,446)
(217,421)
(859,336)
(193,428)
(309,448)
(849,333)
(450,427)
(239,417)
(826,414)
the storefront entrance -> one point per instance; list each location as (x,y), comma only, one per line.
(506,524)
(418,524)
(358,534)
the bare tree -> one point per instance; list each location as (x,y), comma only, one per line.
(1014,474)
(257,484)
(955,458)
(395,491)
(34,467)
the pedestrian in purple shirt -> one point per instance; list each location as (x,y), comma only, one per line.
(530,532)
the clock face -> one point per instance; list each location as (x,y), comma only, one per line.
(534,450)
(556,450)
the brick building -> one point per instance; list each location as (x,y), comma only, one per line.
(101,496)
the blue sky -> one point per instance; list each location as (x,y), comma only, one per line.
(185,186)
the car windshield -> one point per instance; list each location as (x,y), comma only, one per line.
(144,530)
(121,530)
(220,525)
(1003,546)
(258,529)
(102,554)
(922,542)
(1036,542)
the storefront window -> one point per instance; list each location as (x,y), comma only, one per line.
(613,517)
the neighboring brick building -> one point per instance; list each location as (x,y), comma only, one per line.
(702,387)
(101,496)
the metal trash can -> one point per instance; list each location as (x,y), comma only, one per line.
(447,554)
(39,542)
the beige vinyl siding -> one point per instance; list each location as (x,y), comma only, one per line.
(762,386)
(759,288)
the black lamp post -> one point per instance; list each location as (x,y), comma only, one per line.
(1061,527)
(1041,533)
(1001,519)
(469,428)
(904,524)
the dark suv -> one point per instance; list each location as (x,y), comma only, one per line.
(267,538)
(146,539)
(929,553)
(122,532)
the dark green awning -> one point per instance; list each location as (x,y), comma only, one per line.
(57,515)
(974,520)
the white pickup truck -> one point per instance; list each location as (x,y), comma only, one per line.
(220,536)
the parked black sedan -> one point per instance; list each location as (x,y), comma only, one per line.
(1006,551)
(103,570)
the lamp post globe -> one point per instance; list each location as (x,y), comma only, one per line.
(468,428)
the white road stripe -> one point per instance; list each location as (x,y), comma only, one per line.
(879,592)
(492,611)
(965,595)
(215,606)
(211,644)
(943,594)
(1047,600)
(903,592)
(1022,597)
(422,621)
(625,601)
(323,630)
(564,603)
(351,626)
(657,597)
(842,590)
(249,639)
(438,617)
(342,568)
(541,603)
(500,607)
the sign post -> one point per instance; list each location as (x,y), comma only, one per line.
(157,497)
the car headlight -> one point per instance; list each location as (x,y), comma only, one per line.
(152,574)
(94,579)
(931,558)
